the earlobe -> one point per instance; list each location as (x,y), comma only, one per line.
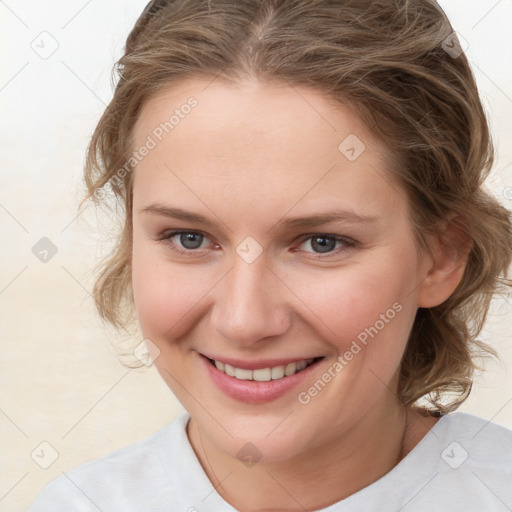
(446,267)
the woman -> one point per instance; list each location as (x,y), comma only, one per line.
(310,256)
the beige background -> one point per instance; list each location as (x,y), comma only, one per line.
(60,380)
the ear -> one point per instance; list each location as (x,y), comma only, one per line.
(445,267)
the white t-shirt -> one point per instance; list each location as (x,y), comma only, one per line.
(463,464)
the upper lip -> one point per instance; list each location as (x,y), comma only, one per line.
(257,363)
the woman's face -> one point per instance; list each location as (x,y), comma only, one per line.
(268,235)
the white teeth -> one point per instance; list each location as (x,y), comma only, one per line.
(263,374)
(242,374)
(277,372)
(290,369)
(229,370)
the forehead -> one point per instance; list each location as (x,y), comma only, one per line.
(251,112)
(259,140)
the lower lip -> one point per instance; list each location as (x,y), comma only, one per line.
(255,392)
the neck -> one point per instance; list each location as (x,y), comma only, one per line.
(338,468)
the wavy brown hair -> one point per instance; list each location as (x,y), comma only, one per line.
(399,65)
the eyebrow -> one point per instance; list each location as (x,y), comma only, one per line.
(177,213)
(310,221)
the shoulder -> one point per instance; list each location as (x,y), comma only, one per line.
(462,464)
(466,465)
(132,477)
(482,443)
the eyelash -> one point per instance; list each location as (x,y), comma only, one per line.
(348,243)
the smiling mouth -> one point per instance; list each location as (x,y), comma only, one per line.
(264,374)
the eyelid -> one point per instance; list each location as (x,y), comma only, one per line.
(342,238)
(169,233)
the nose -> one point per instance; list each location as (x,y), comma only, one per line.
(250,304)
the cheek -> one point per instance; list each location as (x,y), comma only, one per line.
(167,297)
(366,318)
(368,311)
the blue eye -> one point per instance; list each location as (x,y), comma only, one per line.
(322,244)
(186,240)
(191,240)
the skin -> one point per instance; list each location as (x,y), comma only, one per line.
(248,156)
